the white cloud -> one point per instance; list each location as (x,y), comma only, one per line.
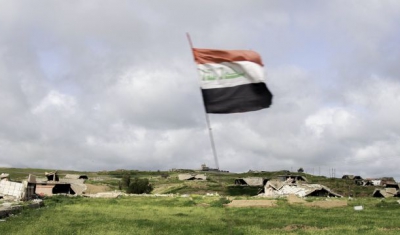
(333,120)
(64,105)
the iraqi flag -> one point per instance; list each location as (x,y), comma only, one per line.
(232,81)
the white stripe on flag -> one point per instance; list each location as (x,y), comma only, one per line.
(229,74)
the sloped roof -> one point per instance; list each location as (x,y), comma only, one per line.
(79,188)
(72,181)
(185,176)
(275,184)
(4,175)
(352,177)
(251,181)
(386,192)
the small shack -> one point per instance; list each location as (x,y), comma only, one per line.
(71,184)
(352,177)
(53,187)
(390,190)
(251,181)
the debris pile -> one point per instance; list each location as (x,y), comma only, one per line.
(192,177)
(294,186)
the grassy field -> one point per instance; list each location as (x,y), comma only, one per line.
(200,215)
(197,214)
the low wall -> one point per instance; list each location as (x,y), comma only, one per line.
(12,189)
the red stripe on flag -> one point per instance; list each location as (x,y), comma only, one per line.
(203,56)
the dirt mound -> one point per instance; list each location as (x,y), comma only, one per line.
(252,203)
(293,199)
(93,188)
(327,204)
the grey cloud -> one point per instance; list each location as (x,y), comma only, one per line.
(97,85)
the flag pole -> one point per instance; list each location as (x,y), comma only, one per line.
(206,114)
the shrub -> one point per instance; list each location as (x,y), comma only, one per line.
(139,186)
(220,203)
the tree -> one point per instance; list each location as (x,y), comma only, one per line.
(125,181)
(300,170)
(139,186)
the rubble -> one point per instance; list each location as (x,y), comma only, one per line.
(8,208)
(386,192)
(192,177)
(294,186)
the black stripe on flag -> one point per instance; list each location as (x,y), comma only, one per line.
(237,99)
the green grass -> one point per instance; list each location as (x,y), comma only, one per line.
(199,215)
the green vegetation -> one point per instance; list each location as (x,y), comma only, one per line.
(139,186)
(135,186)
(196,213)
(199,215)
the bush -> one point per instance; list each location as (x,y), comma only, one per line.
(220,203)
(139,186)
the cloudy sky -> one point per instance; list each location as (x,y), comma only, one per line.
(103,85)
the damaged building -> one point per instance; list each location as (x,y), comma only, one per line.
(31,187)
(251,181)
(16,190)
(71,184)
(390,190)
(192,177)
(373,181)
(295,185)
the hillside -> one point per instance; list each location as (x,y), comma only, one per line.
(165,182)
